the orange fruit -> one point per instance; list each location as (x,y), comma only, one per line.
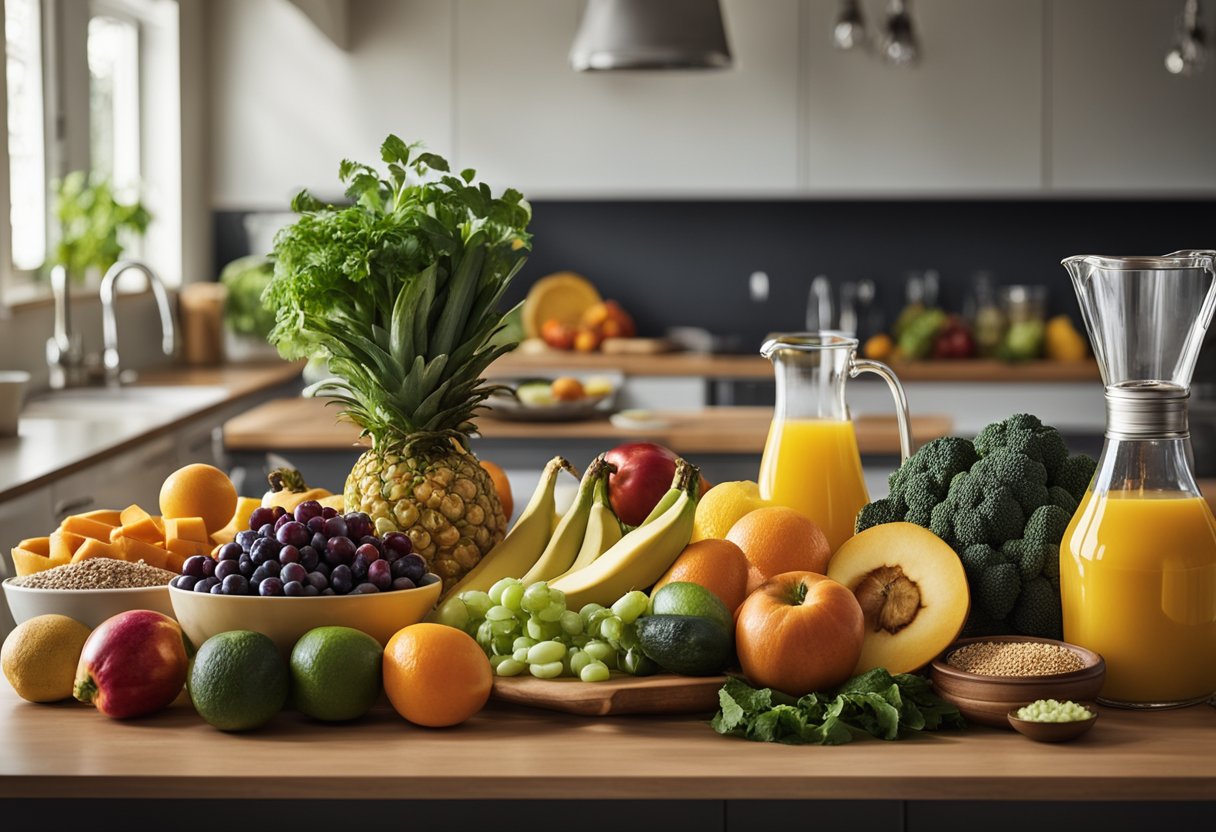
(502,486)
(436,675)
(778,539)
(199,490)
(717,565)
(567,389)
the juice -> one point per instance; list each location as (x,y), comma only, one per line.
(1138,585)
(813,465)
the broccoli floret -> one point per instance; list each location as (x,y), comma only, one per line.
(1075,474)
(1024,434)
(1030,558)
(1025,477)
(1046,526)
(978,559)
(977,510)
(932,467)
(1060,497)
(997,590)
(875,514)
(1037,612)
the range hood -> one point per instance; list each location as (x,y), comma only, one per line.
(651,34)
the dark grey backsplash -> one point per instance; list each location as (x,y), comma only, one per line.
(687,262)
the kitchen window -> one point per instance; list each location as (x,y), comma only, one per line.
(26,142)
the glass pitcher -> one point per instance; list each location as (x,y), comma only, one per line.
(1138,560)
(811,462)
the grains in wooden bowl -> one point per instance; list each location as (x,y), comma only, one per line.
(97,573)
(1015,658)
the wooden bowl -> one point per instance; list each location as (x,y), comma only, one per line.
(1053,731)
(988,699)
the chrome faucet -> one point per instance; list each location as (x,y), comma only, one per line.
(64,349)
(109,323)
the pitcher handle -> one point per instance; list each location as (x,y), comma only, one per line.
(857,366)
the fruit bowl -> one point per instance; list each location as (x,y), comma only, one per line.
(988,699)
(284,620)
(88,606)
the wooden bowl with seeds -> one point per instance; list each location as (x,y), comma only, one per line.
(986,676)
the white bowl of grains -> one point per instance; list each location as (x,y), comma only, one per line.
(986,676)
(90,591)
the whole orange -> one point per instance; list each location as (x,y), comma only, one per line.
(436,675)
(717,565)
(199,490)
(777,539)
(502,486)
(799,632)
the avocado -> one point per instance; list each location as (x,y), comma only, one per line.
(685,644)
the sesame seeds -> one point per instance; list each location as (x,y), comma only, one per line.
(97,573)
(1015,658)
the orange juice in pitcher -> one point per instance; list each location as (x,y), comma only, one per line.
(811,461)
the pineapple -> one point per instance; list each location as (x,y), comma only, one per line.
(399,290)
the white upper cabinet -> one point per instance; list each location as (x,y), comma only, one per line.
(1119,121)
(967,120)
(524,117)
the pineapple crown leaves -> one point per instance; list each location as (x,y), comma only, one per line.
(400,290)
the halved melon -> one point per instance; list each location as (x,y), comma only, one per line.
(912,590)
(563,297)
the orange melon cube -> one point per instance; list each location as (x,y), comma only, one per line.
(225,535)
(94,548)
(132,514)
(186,528)
(86,527)
(109,516)
(36,546)
(187,547)
(145,530)
(62,545)
(133,549)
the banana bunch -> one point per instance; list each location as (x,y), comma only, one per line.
(585,553)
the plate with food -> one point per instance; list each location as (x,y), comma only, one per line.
(556,399)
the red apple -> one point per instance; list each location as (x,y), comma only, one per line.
(133,664)
(643,475)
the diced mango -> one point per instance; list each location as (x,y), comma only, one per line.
(33,555)
(63,545)
(145,530)
(86,527)
(132,514)
(186,528)
(173,561)
(134,549)
(109,516)
(245,507)
(187,547)
(36,545)
(94,548)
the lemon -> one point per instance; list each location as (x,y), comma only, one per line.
(722,506)
(335,673)
(39,657)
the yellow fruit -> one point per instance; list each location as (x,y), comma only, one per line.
(878,347)
(39,657)
(561,297)
(1062,342)
(722,506)
(199,490)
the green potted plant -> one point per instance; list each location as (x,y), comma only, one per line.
(93,223)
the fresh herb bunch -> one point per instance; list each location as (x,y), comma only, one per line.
(400,290)
(875,703)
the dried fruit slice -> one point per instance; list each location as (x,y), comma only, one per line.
(912,589)
(561,297)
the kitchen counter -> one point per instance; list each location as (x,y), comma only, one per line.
(53,442)
(308,424)
(70,751)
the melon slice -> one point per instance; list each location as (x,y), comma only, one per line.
(86,527)
(62,545)
(109,516)
(133,549)
(187,548)
(563,297)
(912,589)
(33,555)
(94,548)
(186,528)
(146,530)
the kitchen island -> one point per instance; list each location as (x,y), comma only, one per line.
(66,763)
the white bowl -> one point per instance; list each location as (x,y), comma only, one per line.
(284,620)
(88,606)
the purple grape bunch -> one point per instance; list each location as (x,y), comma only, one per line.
(311,551)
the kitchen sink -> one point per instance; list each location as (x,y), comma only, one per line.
(103,403)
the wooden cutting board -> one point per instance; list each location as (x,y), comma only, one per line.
(622,694)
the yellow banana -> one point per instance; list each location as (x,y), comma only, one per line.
(567,538)
(603,528)
(523,545)
(639,558)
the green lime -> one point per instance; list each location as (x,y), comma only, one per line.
(335,673)
(685,644)
(238,680)
(685,598)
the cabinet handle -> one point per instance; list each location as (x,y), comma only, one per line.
(67,507)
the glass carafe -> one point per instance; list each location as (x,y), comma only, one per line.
(1138,560)
(811,461)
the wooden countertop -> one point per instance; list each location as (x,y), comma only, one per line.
(307,424)
(755,367)
(69,750)
(49,447)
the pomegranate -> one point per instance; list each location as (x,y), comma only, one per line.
(133,664)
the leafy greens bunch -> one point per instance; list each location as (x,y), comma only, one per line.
(875,703)
(399,289)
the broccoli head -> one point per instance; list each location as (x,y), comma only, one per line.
(927,473)
(1074,475)
(1061,498)
(1046,525)
(877,513)
(1024,476)
(1024,434)
(977,510)
(1037,611)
